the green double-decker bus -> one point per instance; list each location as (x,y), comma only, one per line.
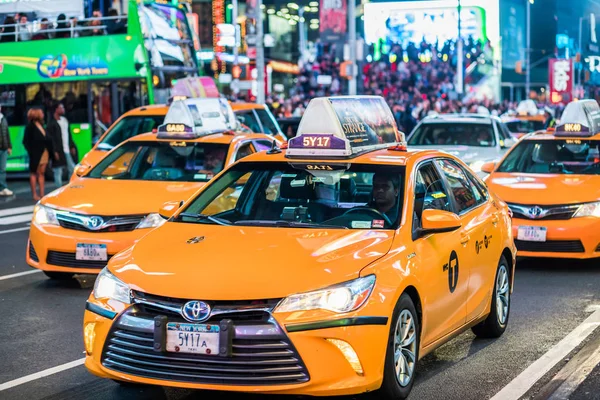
(98,68)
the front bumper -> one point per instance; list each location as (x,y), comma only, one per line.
(268,355)
(52,248)
(577,238)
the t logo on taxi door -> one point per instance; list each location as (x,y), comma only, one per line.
(452,268)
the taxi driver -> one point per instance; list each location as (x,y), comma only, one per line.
(214,160)
(386,188)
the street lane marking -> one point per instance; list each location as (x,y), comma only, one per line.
(16,210)
(526,379)
(18,274)
(41,374)
(15,219)
(577,377)
(25,228)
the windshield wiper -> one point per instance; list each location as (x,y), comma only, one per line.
(203,217)
(288,224)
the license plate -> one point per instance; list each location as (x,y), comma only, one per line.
(532,233)
(193,338)
(91,252)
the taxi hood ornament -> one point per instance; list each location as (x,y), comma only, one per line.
(195,239)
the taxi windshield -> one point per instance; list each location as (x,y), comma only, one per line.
(568,156)
(525,126)
(336,196)
(162,161)
(453,134)
(129,127)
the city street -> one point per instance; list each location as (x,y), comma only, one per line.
(555,309)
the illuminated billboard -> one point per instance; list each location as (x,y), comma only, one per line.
(434,21)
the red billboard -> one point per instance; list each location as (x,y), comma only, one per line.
(560,75)
(333,20)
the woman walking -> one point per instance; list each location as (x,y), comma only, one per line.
(39,147)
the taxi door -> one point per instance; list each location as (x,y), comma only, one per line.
(444,289)
(479,235)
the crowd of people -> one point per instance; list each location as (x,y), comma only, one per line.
(417,80)
(18,28)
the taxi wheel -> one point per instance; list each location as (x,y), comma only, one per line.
(402,351)
(496,322)
(59,276)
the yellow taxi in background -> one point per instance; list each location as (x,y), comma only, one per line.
(551,182)
(258,118)
(79,227)
(343,247)
(134,122)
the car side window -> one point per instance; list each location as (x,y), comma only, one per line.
(465,193)
(430,193)
(249,119)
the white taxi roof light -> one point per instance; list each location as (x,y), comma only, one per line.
(527,107)
(192,118)
(344,126)
(580,118)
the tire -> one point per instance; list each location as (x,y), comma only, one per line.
(392,388)
(496,322)
(59,276)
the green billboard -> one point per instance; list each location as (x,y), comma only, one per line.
(84,58)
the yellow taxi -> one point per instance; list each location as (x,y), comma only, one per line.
(343,260)
(258,118)
(79,227)
(551,182)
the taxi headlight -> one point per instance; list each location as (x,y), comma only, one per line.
(108,286)
(588,210)
(151,221)
(43,215)
(342,298)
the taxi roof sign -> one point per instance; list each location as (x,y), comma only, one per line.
(192,118)
(580,118)
(344,126)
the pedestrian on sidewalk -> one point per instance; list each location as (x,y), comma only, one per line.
(5,151)
(39,147)
(62,144)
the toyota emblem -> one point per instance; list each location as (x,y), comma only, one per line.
(535,212)
(94,223)
(195,311)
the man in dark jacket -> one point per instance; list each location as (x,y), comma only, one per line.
(5,150)
(62,142)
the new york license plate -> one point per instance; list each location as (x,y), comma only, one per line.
(193,338)
(532,233)
(91,252)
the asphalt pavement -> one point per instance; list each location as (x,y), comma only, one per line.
(41,333)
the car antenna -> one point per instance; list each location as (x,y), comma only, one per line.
(274,148)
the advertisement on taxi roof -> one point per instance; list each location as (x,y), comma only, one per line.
(365,121)
(98,57)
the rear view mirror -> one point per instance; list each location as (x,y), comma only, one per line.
(168,209)
(81,170)
(488,167)
(439,221)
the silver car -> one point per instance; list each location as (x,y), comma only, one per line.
(474,138)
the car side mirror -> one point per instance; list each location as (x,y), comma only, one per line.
(81,170)
(168,209)
(439,221)
(488,167)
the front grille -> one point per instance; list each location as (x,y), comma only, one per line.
(111,228)
(554,212)
(551,246)
(66,259)
(266,357)
(32,254)
(241,312)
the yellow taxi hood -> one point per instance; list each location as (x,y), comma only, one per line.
(241,262)
(117,197)
(545,189)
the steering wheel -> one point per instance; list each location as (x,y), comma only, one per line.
(371,210)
